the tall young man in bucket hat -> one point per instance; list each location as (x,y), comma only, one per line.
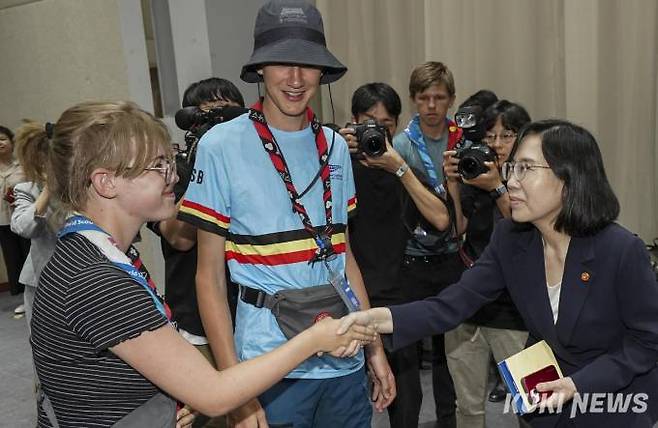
(272,197)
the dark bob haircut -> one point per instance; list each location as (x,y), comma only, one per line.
(483,98)
(588,202)
(7,132)
(366,96)
(512,116)
(212,89)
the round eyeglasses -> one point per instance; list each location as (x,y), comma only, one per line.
(166,168)
(518,169)
(505,137)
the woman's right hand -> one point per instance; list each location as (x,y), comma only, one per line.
(380,319)
(327,338)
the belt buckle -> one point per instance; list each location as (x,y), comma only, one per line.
(260,299)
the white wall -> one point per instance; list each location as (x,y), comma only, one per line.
(57,53)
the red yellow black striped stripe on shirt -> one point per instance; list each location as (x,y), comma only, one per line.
(212,221)
(351,204)
(204,217)
(270,249)
(280,248)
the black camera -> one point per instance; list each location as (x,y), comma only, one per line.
(472,157)
(197,122)
(370,136)
(472,154)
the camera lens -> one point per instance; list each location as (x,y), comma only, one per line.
(472,160)
(469,167)
(373,143)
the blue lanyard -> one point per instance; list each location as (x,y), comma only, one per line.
(79,223)
(415,135)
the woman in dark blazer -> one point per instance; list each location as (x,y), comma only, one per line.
(581,282)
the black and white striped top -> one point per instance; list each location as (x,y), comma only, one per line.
(85,305)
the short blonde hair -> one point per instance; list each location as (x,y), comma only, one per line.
(118,136)
(429,74)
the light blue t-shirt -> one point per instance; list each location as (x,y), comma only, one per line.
(238,193)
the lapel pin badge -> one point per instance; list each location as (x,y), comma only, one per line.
(585,276)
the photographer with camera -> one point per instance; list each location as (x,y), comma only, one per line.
(496,329)
(377,235)
(375,111)
(205,103)
(431,261)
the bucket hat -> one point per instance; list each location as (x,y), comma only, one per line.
(291,32)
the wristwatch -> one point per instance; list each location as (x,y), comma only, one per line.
(400,171)
(498,192)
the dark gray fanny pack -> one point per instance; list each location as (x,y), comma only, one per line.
(159,411)
(296,310)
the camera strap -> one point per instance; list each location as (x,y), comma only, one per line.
(325,249)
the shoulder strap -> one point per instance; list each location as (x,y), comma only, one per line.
(47,407)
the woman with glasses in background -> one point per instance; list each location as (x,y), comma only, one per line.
(104,348)
(496,330)
(580,281)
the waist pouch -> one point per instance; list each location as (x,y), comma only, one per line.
(298,309)
(158,412)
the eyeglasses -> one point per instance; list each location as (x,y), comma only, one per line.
(519,170)
(166,168)
(505,137)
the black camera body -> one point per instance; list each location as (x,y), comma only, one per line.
(472,154)
(370,136)
(198,121)
(472,157)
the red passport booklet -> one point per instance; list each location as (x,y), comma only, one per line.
(530,382)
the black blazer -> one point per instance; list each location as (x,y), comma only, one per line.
(606,336)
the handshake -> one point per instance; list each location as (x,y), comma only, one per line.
(344,338)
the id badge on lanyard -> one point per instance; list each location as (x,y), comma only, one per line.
(338,281)
(343,288)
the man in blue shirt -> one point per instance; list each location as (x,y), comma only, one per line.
(272,198)
(431,260)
